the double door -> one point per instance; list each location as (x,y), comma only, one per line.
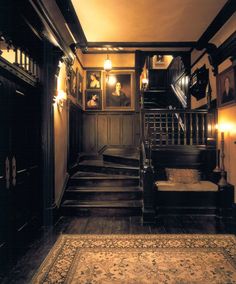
(19,162)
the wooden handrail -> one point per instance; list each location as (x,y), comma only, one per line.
(164,127)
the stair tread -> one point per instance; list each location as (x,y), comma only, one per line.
(101,163)
(103,189)
(104,204)
(128,153)
(92,175)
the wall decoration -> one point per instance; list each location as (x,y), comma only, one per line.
(79,88)
(73,83)
(119,91)
(93,100)
(93,79)
(198,82)
(226,87)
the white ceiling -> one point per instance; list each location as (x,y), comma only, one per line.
(145,20)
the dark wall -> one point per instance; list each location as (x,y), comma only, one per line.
(102,129)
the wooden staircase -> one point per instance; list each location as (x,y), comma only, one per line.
(107,185)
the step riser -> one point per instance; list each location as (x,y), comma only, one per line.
(107,170)
(107,182)
(103,196)
(106,212)
(121,160)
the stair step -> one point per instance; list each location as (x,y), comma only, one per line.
(99,166)
(103,204)
(105,189)
(99,179)
(127,156)
(102,208)
(103,194)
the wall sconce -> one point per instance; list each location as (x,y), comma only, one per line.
(107,66)
(144,83)
(59,99)
(223,128)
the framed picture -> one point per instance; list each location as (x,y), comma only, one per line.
(93,79)
(93,100)
(73,83)
(226,87)
(119,91)
(79,85)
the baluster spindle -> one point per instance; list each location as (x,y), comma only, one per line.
(167,132)
(25,62)
(21,58)
(160,123)
(203,129)
(185,132)
(191,128)
(172,129)
(178,130)
(16,56)
(197,129)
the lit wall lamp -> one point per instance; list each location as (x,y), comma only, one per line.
(144,83)
(59,99)
(107,66)
(223,128)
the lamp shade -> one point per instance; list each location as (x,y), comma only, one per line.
(107,64)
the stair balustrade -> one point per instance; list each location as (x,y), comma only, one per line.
(163,127)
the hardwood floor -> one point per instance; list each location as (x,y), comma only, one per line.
(23,270)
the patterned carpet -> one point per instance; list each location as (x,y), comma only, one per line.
(136,259)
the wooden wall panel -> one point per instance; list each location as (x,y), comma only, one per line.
(102,132)
(109,129)
(90,133)
(127,133)
(114,137)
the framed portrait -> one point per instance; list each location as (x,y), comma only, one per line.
(79,85)
(73,83)
(93,80)
(119,91)
(226,87)
(93,100)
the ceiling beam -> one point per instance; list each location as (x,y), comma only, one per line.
(68,12)
(221,18)
(141,44)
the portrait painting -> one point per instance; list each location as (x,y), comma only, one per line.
(73,83)
(119,93)
(79,87)
(226,87)
(93,79)
(93,100)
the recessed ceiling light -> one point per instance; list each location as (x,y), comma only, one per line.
(120,48)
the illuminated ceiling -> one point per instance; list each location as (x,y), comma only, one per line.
(145,20)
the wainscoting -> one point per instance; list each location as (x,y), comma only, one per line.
(102,129)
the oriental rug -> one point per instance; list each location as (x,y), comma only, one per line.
(136,259)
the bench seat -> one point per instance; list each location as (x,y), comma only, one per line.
(202,186)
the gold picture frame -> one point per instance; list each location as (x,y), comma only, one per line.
(119,91)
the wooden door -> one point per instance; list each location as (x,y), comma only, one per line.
(20,152)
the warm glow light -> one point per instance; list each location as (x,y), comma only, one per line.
(111,80)
(107,64)
(225,127)
(145,81)
(60,98)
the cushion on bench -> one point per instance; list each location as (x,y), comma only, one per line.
(201,186)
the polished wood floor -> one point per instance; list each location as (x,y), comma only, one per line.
(32,256)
